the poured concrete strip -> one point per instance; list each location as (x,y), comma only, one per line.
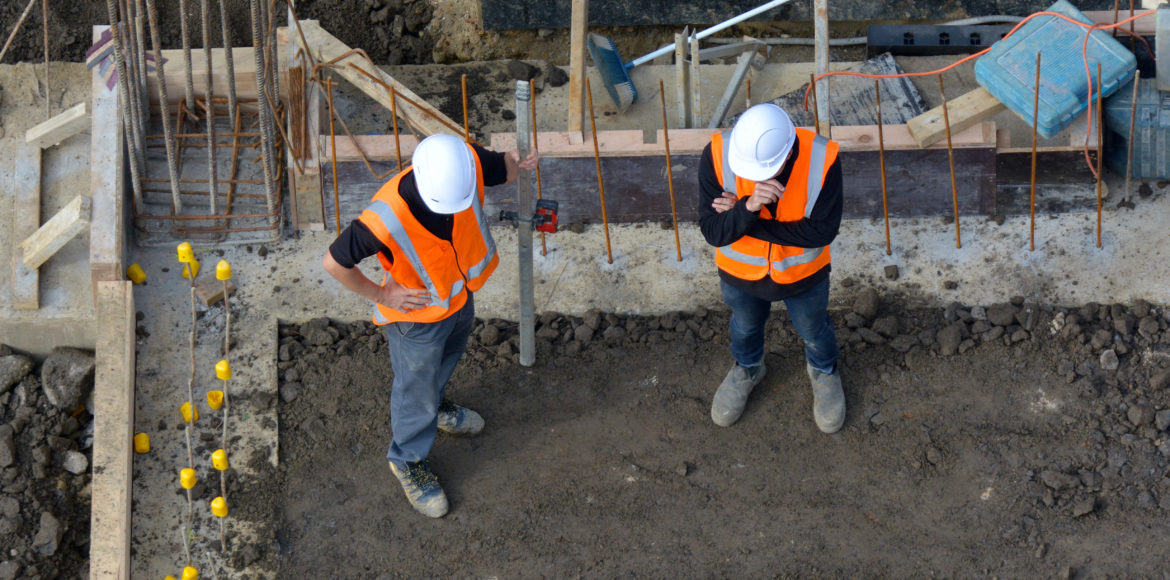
(26,216)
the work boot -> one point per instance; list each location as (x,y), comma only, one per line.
(828,399)
(732,395)
(422,488)
(458,420)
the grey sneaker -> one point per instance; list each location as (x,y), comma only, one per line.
(732,395)
(422,488)
(828,399)
(458,420)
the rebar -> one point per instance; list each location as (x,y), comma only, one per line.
(186,39)
(669,172)
(600,182)
(466,127)
(226,28)
(130,127)
(536,148)
(265,119)
(1137,78)
(45,23)
(191,413)
(394,115)
(1035,124)
(16,27)
(227,355)
(1100,150)
(951,158)
(159,69)
(877,89)
(748,94)
(333,155)
(209,95)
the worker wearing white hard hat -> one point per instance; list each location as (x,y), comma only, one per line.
(770,202)
(428,228)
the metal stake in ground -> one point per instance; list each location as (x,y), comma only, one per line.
(1100,150)
(951,157)
(160,72)
(524,226)
(669,173)
(877,89)
(597,158)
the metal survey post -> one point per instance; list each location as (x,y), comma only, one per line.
(524,192)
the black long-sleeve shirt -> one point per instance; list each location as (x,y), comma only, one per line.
(357,243)
(817,230)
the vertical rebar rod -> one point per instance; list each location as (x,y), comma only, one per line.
(600,181)
(333,155)
(812,82)
(226,28)
(227,355)
(1137,77)
(1116,9)
(16,27)
(524,222)
(1035,124)
(669,172)
(130,124)
(1132,36)
(191,411)
(539,186)
(272,89)
(45,25)
(748,94)
(271,42)
(466,126)
(186,39)
(1100,150)
(951,158)
(877,89)
(136,77)
(394,116)
(140,35)
(265,120)
(209,96)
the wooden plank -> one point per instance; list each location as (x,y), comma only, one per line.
(60,127)
(210,290)
(421,115)
(26,215)
(243,61)
(106,185)
(113,431)
(578,30)
(56,232)
(964,111)
(381,147)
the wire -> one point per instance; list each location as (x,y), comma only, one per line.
(1084,56)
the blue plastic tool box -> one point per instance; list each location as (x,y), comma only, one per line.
(1151,131)
(1008,70)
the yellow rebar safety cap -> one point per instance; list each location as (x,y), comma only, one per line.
(215,400)
(219,507)
(223,370)
(135,274)
(186,411)
(187,478)
(219,459)
(185,253)
(223,270)
(141,443)
(190,573)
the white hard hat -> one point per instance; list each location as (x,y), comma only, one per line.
(760,142)
(445,173)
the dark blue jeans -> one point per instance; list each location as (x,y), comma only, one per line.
(810,316)
(423,357)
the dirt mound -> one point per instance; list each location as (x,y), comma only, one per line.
(45,454)
(1014,439)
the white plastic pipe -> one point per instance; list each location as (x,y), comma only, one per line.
(709,31)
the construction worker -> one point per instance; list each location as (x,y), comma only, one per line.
(770,202)
(428,229)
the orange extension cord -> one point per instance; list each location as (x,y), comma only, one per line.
(1084,54)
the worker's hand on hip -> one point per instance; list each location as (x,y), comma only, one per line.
(766,192)
(724,202)
(528,163)
(399,297)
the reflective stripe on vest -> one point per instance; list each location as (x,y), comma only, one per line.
(816,170)
(807,256)
(398,232)
(484,230)
(455,290)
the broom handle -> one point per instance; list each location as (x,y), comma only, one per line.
(709,31)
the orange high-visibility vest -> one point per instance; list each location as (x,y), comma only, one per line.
(423,261)
(751,258)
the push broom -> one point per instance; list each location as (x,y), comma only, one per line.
(615,73)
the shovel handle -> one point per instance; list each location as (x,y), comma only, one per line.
(709,31)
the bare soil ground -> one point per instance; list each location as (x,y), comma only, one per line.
(979,442)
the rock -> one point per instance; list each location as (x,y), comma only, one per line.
(417,15)
(318,332)
(979,313)
(870,336)
(593,319)
(1058,480)
(1109,360)
(1084,507)
(1162,419)
(1140,415)
(290,391)
(891,272)
(583,333)
(886,326)
(490,335)
(1148,327)
(291,350)
(9,570)
(1160,380)
(555,76)
(1101,339)
(949,338)
(866,303)
(522,71)
(614,335)
(48,536)
(75,462)
(10,518)
(903,342)
(67,376)
(7,446)
(1002,314)
(13,369)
